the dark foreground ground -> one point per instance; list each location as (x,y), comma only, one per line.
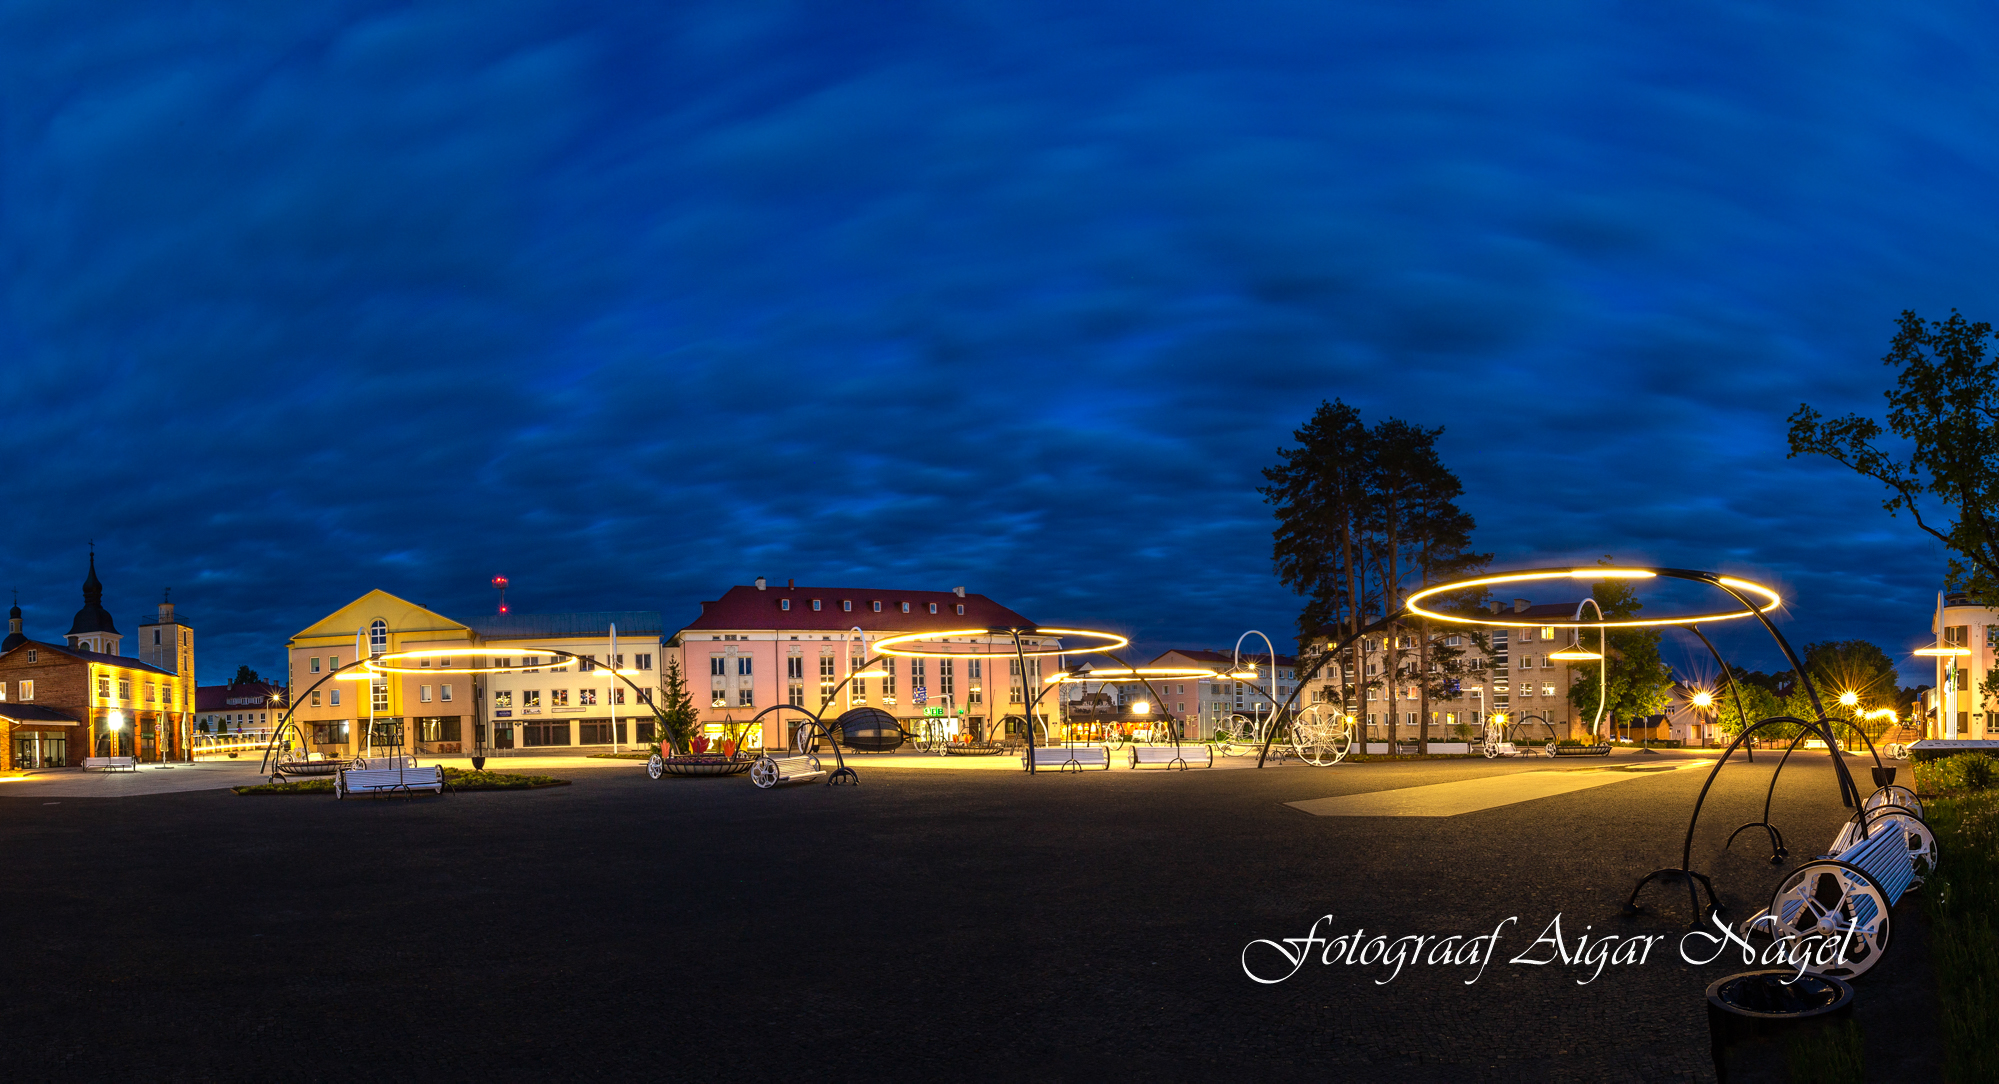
(927,924)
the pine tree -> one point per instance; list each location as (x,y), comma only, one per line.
(677,716)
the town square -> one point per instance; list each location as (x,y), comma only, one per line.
(943,541)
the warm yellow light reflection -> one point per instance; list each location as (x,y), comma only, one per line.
(1127,673)
(1849,698)
(1942,651)
(1575,653)
(896,645)
(1701,699)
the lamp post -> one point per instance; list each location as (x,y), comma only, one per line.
(1237,673)
(1576,652)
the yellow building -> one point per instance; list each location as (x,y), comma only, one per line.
(333,714)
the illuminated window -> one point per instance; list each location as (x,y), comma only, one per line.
(586,698)
(381,694)
(558,698)
(503,698)
(378,637)
(531,698)
(124,689)
(312,665)
(27,690)
(746,697)
(103,687)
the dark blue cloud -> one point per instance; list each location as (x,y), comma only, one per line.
(632,305)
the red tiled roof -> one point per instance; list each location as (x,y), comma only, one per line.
(749,608)
(217,697)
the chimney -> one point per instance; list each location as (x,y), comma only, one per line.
(1520,605)
(1494,607)
(791,585)
(958,591)
(761,583)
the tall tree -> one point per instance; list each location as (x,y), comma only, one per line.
(1320,490)
(1945,403)
(245,676)
(677,714)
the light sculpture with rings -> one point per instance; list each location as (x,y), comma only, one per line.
(896,645)
(1128,673)
(1746,609)
(1750,600)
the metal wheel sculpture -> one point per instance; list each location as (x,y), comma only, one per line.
(1244,736)
(1897,795)
(1826,899)
(656,766)
(1321,740)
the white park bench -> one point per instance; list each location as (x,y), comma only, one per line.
(769,771)
(388,781)
(1846,895)
(1173,756)
(1070,758)
(109,764)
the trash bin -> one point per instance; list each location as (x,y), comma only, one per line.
(1883,777)
(1751,1014)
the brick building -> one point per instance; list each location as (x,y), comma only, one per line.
(62,702)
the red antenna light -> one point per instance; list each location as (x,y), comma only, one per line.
(500,584)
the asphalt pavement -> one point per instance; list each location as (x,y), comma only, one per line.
(925,924)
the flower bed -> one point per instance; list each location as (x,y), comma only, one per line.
(455,779)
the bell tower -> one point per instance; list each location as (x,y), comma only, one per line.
(168,642)
(93,629)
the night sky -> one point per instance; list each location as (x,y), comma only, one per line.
(304,299)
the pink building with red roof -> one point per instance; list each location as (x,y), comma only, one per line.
(761,645)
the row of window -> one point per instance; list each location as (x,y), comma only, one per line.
(560,698)
(156,692)
(528,662)
(847,605)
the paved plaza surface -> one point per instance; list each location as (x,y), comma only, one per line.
(926,924)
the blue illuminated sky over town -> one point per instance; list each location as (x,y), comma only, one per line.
(630,304)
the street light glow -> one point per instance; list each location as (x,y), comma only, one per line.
(1849,698)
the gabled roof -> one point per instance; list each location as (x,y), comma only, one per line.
(90,656)
(403,615)
(749,608)
(636,624)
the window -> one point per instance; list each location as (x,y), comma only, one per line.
(888,678)
(333,698)
(558,698)
(333,662)
(597,733)
(1547,632)
(961,608)
(586,698)
(446,661)
(312,665)
(846,604)
(330,733)
(618,695)
(103,687)
(27,690)
(531,698)
(379,692)
(31,654)
(124,689)
(315,699)
(378,636)
(784,604)
(746,697)
(440,728)
(933,607)
(645,662)
(794,667)
(795,694)
(944,682)
(878,606)
(423,694)
(444,693)
(742,666)
(588,665)
(553,732)
(1547,690)
(815,604)
(718,665)
(905,607)
(825,679)
(503,698)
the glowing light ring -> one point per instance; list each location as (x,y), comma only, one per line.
(1594,574)
(1127,673)
(374,664)
(892,645)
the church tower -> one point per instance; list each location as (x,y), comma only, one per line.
(93,629)
(168,643)
(14,634)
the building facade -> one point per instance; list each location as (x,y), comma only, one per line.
(761,645)
(1956,709)
(250,708)
(442,708)
(62,702)
(1206,705)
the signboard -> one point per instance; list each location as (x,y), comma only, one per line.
(922,693)
(933,711)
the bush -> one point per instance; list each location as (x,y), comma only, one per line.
(1960,773)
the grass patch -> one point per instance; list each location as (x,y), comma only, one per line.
(1962,902)
(1825,1055)
(455,779)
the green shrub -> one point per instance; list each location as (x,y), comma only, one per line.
(1954,774)
(1961,900)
